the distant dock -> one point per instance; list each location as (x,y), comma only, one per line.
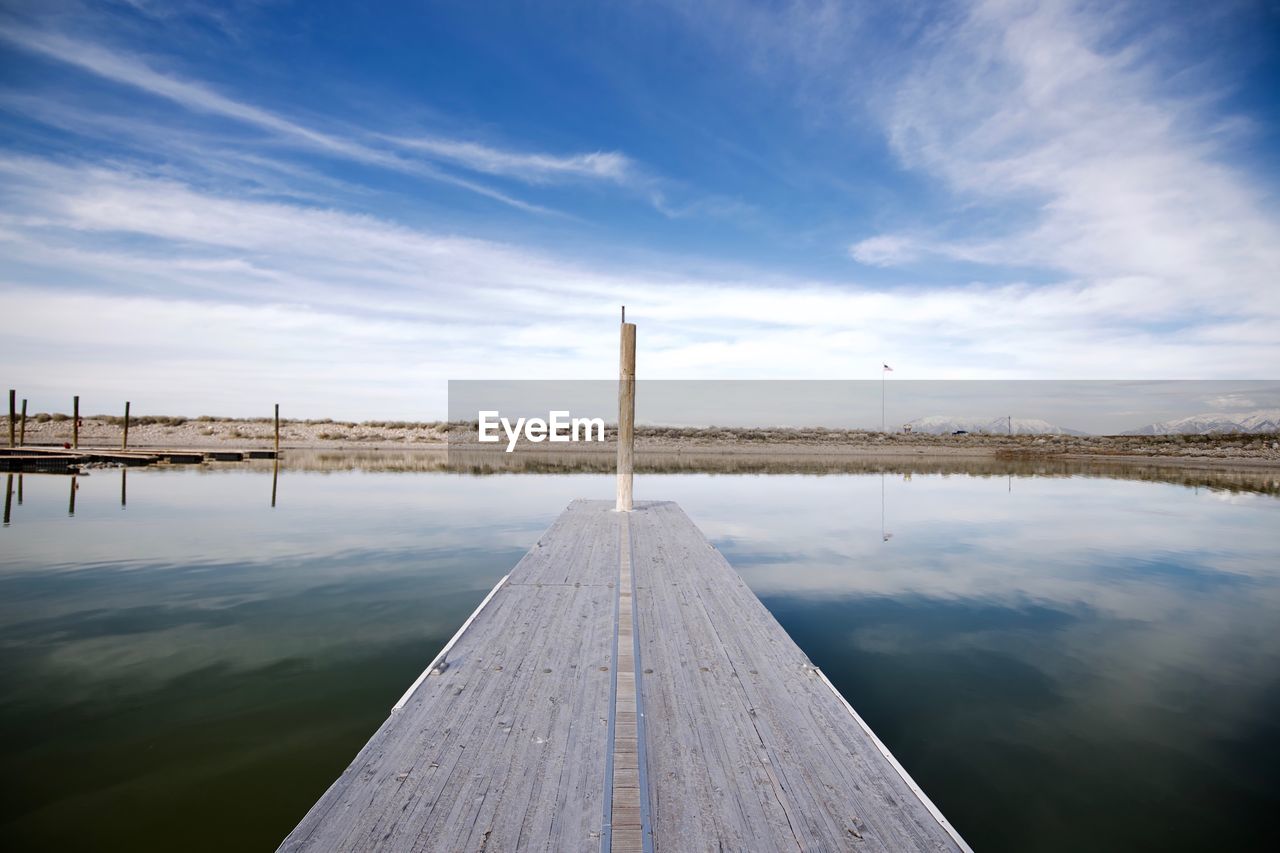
(57,459)
(623,690)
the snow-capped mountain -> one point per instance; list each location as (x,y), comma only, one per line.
(1262,420)
(947,424)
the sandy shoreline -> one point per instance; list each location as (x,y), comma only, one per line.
(214,433)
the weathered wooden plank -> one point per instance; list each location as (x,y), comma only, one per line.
(708,789)
(505,748)
(796,770)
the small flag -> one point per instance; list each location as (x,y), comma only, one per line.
(888,368)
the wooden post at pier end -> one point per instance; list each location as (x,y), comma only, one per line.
(75,423)
(22,427)
(124,439)
(277,430)
(13,415)
(626,412)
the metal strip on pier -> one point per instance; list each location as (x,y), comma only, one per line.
(628,828)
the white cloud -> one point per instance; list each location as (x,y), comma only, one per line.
(532,167)
(1021,106)
(126,275)
(132,71)
(885,250)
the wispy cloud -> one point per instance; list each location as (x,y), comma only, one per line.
(416,307)
(1067,138)
(530,167)
(885,250)
(129,70)
(1110,173)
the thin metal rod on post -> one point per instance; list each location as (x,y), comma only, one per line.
(13,417)
(277,430)
(75,423)
(22,427)
(124,439)
(626,414)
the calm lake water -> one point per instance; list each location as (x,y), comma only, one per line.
(1060,662)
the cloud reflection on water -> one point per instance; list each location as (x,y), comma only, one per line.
(1037,651)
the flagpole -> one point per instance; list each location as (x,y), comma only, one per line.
(884,368)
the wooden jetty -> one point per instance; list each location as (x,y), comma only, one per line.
(47,458)
(623,690)
(39,462)
(19,456)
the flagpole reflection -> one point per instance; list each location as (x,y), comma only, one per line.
(885,535)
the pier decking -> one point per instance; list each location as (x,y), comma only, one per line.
(623,690)
(45,458)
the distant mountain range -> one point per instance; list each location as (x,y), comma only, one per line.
(947,424)
(1262,420)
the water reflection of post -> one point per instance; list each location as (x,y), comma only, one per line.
(275,478)
(71,502)
(19,490)
(8,498)
(885,535)
(123,474)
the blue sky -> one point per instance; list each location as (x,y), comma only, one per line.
(211,208)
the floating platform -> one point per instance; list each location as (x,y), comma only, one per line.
(46,462)
(82,455)
(46,458)
(623,690)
